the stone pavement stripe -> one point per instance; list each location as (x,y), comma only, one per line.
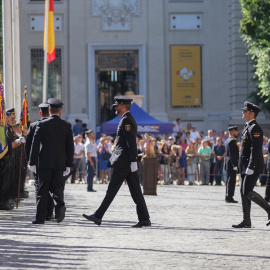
(191,230)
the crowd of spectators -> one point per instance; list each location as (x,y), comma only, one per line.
(185,157)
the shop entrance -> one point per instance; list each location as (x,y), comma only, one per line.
(116,74)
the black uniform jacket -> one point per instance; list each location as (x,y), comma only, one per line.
(29,137)
(52,146)
(251,155)
(125,150)
(268,158)
(232,153)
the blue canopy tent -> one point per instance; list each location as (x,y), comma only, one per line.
(145,123)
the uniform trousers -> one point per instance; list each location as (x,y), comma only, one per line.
(230,184)
(49,180)
(248,183)
(50,206)
(267,189)
(118,177)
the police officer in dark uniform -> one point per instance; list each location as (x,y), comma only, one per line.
(251,164)
(124,165)
(44,113)
(52,153)
(267,190)
(232,158)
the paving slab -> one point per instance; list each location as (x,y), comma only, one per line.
(191,229)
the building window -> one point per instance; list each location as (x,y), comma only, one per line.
(54,86)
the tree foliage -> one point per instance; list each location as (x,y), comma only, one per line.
(255,29)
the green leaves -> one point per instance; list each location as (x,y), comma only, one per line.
(255,29)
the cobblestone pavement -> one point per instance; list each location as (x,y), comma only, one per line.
(191,229)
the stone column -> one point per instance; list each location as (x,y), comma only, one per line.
(7,54)
(17,91)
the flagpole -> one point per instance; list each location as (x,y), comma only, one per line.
(45,66)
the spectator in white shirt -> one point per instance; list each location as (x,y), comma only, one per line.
(194,134)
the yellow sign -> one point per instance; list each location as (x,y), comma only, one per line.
(186,76)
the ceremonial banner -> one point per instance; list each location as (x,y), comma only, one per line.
(50,29)
(3,125)
(24,117)
(186,86)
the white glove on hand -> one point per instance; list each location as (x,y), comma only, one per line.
(134,166)
(235,168)
(20,140)
(32,168)
(249,171)
(66,172)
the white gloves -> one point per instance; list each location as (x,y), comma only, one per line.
(20,140)
(134,166)
(249,171)
(66,172)
(235,168)
(32,168)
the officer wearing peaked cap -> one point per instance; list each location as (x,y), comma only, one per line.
(52,154)
(124,166)
(251,164)
(232,158)
(44,113)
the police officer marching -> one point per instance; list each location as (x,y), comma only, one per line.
(251,164)
(124,165)
(51,157)
(232,158)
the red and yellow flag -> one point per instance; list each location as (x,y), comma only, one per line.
(24,117)
(50,36)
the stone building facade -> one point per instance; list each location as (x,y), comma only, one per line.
(107,48)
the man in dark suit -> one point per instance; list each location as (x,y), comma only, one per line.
(124,165)
(232,158)
(44,113)
(52,153)
(251,164)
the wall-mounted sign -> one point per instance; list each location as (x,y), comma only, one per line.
(186,76)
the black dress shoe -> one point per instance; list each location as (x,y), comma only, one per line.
(243,224)
(230,200)
(6,206)
(142,224)
(268,222)
(93,218)
(61,214)
(91,190)
(37,222)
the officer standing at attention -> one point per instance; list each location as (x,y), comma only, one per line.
(251,164)
(124,165)
(52,154)
(232,159)
(44,113)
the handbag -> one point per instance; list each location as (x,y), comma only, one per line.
(106,155)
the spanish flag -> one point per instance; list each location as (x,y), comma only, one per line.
(50,32)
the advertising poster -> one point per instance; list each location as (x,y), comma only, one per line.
(186,76)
